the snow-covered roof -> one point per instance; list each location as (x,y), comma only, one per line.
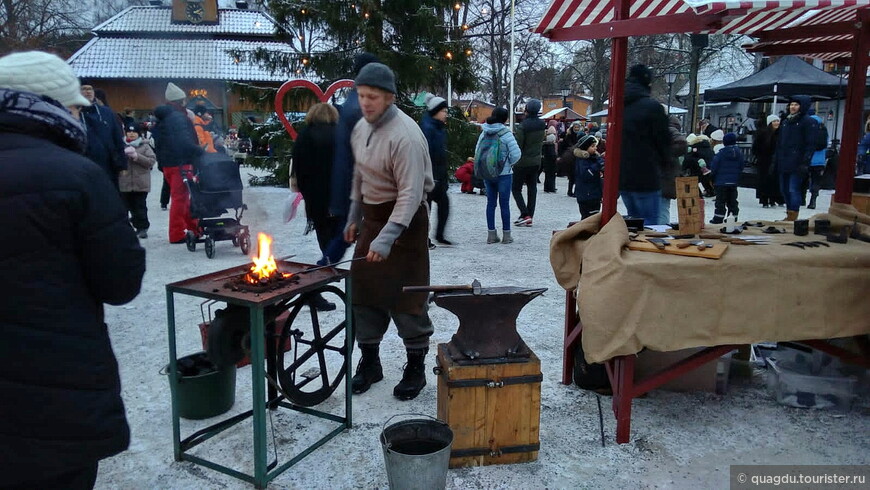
(150,20)
(170,58)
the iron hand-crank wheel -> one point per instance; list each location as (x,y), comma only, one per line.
(320,356)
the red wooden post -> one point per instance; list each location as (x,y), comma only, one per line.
(614,117)
(854,107)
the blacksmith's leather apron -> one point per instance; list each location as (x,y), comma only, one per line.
(379,284)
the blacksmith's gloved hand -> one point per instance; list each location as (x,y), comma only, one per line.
(354,220)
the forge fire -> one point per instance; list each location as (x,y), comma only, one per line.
(264,269)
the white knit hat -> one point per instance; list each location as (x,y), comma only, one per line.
(435,104)
(42,74)
(717,135)
(173,92)
(771,118)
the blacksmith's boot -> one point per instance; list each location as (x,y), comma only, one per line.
(414,378)
(369,370)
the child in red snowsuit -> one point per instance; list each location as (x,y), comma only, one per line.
(464,174)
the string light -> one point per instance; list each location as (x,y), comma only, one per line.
(304,12)
(449,55)
(464,27)
(305,61)
(366,15)
(457,6)
(468,52)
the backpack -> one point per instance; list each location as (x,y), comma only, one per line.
(821,137)
(489,159)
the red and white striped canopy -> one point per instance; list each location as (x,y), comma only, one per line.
(783,27)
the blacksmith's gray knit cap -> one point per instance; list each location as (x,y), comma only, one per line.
(377,75)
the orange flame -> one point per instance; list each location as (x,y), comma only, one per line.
(264,264)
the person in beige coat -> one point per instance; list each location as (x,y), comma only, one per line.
(135,182)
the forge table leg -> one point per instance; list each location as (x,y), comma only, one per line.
(173,375)
(622,396)
(348,344)
(259,395)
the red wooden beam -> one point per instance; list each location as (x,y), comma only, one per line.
(666,24)
(852,119)
(833,29)
(844,45)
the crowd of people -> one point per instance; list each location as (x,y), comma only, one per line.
(76,175)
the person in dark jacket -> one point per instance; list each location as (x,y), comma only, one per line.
(343,163)
(646,147)
(105,136)
(588,165)
(794,150)
(549,159)
(863,158)
(672,169)
(530,138)
(434,126)
(764,147)
(177,147)
(73,250)
(565,160)
(311,169)
(725,170)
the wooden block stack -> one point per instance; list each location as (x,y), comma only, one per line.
(690,207)
(494,410)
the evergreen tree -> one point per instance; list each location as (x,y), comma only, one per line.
(419,39)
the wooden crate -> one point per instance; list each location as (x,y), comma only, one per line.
(494,410)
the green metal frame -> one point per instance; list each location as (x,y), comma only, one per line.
(262,475)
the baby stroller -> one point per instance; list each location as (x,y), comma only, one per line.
(216,186)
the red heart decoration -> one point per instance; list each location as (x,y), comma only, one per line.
(299,83)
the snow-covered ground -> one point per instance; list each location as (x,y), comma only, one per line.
(678,440)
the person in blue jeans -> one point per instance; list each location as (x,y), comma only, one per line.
(646,148)
(794,151)
(498,191)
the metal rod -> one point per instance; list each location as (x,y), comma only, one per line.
(305,271)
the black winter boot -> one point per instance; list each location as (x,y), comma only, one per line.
(414,378)
(812,204)
(369,370)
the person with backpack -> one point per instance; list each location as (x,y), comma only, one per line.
(496,153)
(794,151)
(818,161)
(530,138)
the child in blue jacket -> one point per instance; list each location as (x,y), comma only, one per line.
(725,170)
(587,176)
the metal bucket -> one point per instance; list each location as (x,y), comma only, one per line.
(416,453)
(203,390)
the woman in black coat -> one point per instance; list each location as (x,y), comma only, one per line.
(763,147)
(311,173)
(72,249)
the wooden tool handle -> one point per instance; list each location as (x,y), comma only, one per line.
(682,244)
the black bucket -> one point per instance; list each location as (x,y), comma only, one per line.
(204,390)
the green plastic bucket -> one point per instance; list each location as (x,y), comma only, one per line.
(203,390)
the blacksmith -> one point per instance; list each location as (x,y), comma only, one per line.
(389,221)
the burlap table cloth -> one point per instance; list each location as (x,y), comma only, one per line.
(630,300)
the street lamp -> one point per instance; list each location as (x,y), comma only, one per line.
(670,78)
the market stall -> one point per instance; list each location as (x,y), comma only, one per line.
(787,27)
